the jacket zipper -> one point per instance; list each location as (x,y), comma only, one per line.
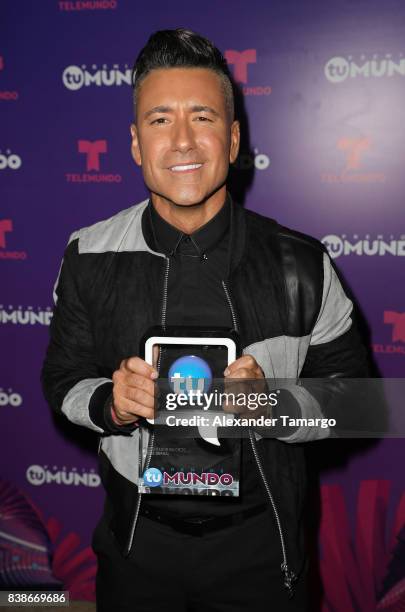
(289,576)
(152,436)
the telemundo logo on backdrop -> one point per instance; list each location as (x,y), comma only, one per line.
(394,345)
(6,238)
(240,62)
(92,153)
(87,5)
(7,94)
(357,152)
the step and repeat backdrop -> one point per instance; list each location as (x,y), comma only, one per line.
(322,94)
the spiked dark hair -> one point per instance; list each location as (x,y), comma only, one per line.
(182,48)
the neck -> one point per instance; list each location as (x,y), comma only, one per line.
(189,218)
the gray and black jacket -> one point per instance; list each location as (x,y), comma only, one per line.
(287,305)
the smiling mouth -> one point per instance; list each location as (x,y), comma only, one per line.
(185,167)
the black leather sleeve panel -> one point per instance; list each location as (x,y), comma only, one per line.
(302,263)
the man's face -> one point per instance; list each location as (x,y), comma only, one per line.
(183,138)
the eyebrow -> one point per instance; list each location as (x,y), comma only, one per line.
(197,108)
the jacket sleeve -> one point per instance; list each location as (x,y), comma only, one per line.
(70,376)
(328,386)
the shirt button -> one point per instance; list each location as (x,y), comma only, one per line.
(187,239)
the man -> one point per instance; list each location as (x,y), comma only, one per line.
(190,256)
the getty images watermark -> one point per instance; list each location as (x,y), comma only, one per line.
(213,401)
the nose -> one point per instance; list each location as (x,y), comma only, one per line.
(183,137)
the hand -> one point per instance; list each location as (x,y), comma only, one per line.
(246,371)
(244,367)
(133,391)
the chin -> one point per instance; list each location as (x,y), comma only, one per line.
(187,204)
(185,200)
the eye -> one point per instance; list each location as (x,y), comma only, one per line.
(159,120)
(203,118)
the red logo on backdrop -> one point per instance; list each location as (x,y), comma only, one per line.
(80,5)
(6,225)
(240,61)
(397,320)
(354,151)
(6,94)
(93,149)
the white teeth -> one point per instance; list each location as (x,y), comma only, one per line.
(185,167)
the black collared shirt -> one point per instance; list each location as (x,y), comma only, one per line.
(198,265)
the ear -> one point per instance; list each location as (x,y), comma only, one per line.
(235,141)
(135,147)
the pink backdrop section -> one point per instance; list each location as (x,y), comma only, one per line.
(323,152)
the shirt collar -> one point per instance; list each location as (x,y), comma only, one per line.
(170,240)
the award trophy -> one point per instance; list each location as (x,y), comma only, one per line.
(183,455)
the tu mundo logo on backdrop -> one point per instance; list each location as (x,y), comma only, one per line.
(25,315)
(364,245)
(338,69)
(11,398)
(38,475)
(247,160)
(9,160)
(76,77)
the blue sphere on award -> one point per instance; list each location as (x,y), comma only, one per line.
(189,374)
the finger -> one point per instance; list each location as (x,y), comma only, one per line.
(242,373)
(124,407)
(139,366)
(139,382)
(246,361)
(138,396)
(125,378)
